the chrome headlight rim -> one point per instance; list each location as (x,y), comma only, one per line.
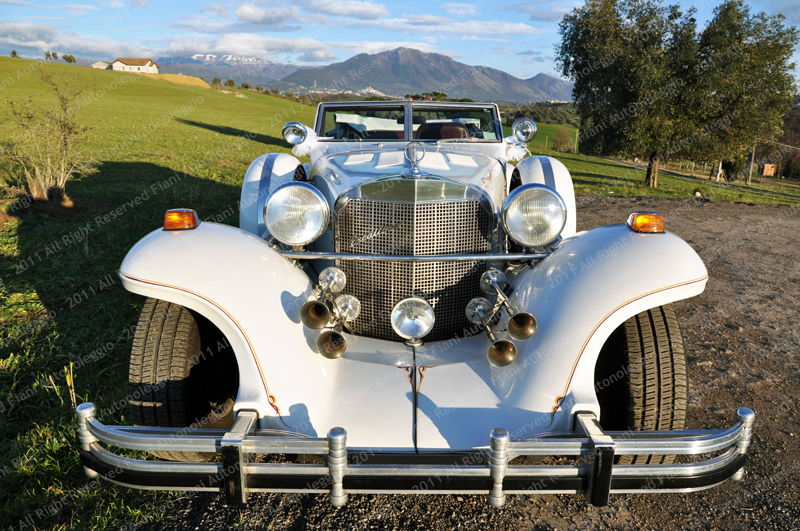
(516,130)
(317,194)
(514,195)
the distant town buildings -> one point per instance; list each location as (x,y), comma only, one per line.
(129,64)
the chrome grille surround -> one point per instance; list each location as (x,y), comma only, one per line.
(413,228)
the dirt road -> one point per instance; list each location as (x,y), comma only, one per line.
(743,348)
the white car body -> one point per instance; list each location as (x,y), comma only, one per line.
(444,411)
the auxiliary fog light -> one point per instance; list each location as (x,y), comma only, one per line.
(348,306)
(413,318)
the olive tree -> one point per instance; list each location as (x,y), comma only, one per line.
(647,83)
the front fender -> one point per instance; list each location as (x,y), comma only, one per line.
(265,174)
(253,295)
(579,295)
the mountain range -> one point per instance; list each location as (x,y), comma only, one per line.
(240,68)
(394,73)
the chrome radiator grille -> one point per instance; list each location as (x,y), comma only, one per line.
(369,226)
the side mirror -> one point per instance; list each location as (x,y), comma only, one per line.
(524,129)
(295,133)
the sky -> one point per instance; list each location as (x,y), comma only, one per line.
(517,37)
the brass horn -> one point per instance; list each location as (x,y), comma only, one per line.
(331,344)
(315,315)
(521,326)
(501,353)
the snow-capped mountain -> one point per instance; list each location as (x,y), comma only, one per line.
(254,70)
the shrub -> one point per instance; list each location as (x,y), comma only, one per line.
(49,145)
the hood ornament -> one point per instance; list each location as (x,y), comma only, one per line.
(414,152)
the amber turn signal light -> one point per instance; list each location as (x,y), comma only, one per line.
(180,219)
(651,222)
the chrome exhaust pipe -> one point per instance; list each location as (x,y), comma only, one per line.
(521,326)
(315,315)
(501,353)
(331,344)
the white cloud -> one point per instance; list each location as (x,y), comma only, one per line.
(218,9)
(373,47)
(345,8)
(32,39)
(74,9)
(539,14)
(140,3)
(468,27)
(461,10)
(268,17)
(427,20)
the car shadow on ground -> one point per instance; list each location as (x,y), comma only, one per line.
(241,133)
(64,306)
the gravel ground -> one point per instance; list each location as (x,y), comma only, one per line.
(741,339)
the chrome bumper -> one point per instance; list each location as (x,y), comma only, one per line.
(482,471)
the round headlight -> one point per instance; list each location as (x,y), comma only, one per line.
(534,215)
(413,318)
(295,133)
(296,213)
(524,129)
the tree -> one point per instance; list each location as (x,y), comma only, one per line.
(14,53)
(230,83)
(745,80)
(648,84)
(259,88)
(216,81)
(631,64)
(246,86)
(275,90)
(49,142)
(54,55)
(48,56)
(69,58)
(289,95)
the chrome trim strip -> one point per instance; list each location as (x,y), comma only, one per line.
(522,257)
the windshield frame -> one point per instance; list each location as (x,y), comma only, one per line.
(409,106)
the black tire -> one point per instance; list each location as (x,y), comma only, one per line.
(172,379)
(641,379)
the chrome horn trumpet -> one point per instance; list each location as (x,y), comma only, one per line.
(501,352)
(316,314)
(522,325)
(329,311)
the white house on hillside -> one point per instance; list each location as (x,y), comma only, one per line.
(102,65)
(138,65)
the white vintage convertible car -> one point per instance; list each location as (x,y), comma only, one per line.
(411,312)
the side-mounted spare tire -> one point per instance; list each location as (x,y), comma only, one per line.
(181,374)
(641,380)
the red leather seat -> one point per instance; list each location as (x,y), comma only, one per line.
(437,131)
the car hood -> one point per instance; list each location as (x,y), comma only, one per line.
(338,172)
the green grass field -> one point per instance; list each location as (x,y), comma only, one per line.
(61,299)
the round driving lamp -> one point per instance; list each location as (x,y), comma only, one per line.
(534,215)
(296,213)
(413,318)
(524,129)
(295,133)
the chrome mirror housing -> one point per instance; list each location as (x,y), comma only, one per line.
(524,129)
(295,133)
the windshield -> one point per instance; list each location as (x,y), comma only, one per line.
(431,123)
(390,122)
(357,123)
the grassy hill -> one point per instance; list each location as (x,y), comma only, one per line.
(60,298)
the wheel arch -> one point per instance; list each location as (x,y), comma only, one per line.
(215,320)
(265,174)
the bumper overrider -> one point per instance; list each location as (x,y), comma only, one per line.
(489,470)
